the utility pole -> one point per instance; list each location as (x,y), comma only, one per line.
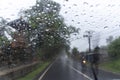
(89,35)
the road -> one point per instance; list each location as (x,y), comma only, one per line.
(64,68)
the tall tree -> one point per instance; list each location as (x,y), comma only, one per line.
(114,48)
(75,51)
(48,29)
(5,30)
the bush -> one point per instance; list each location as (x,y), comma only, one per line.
(114,49)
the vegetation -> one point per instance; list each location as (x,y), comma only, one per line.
(75,51)
(114,49)
(33,74)
(113,65)
(48,30)
(4,28)
(44,33)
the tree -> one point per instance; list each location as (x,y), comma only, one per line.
(114,48)
(75,51)
(109,39)
(48,29)
(4,29)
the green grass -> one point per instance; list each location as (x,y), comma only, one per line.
(113,65)
(33,74)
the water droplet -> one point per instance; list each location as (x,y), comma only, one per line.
(66,0)
(48,5)
(91,16)
(43,12)
(38,18)
(65,12)
(85,3)
(12,14)
(78,22)
(74,4)
(47,8)
(76,15)
(105,27)
(91,5)
(45,18)
(37,5)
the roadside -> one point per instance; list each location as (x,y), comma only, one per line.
(104,73)
(112,66)
(33,75)
(15,72)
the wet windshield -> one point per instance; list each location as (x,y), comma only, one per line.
(59,40)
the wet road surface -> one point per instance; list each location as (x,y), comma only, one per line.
(64,68)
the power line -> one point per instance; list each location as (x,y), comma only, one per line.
(108,31)
(113,32)
(105,36)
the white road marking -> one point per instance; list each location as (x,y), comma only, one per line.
(45,72)
(70,67)
(81,73)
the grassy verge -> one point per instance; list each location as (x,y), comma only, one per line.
(113,65)
(33,74)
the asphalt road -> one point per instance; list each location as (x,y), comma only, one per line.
(64,68)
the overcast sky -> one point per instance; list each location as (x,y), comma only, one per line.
(101,16)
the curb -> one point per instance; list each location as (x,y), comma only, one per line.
(39,74)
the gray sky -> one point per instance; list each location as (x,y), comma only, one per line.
(102,16)
(9,8)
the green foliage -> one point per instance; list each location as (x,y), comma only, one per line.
(114,48)
(33,74)
(3,41)
(4,28)
(75,51)
(113,65)
(49,31)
